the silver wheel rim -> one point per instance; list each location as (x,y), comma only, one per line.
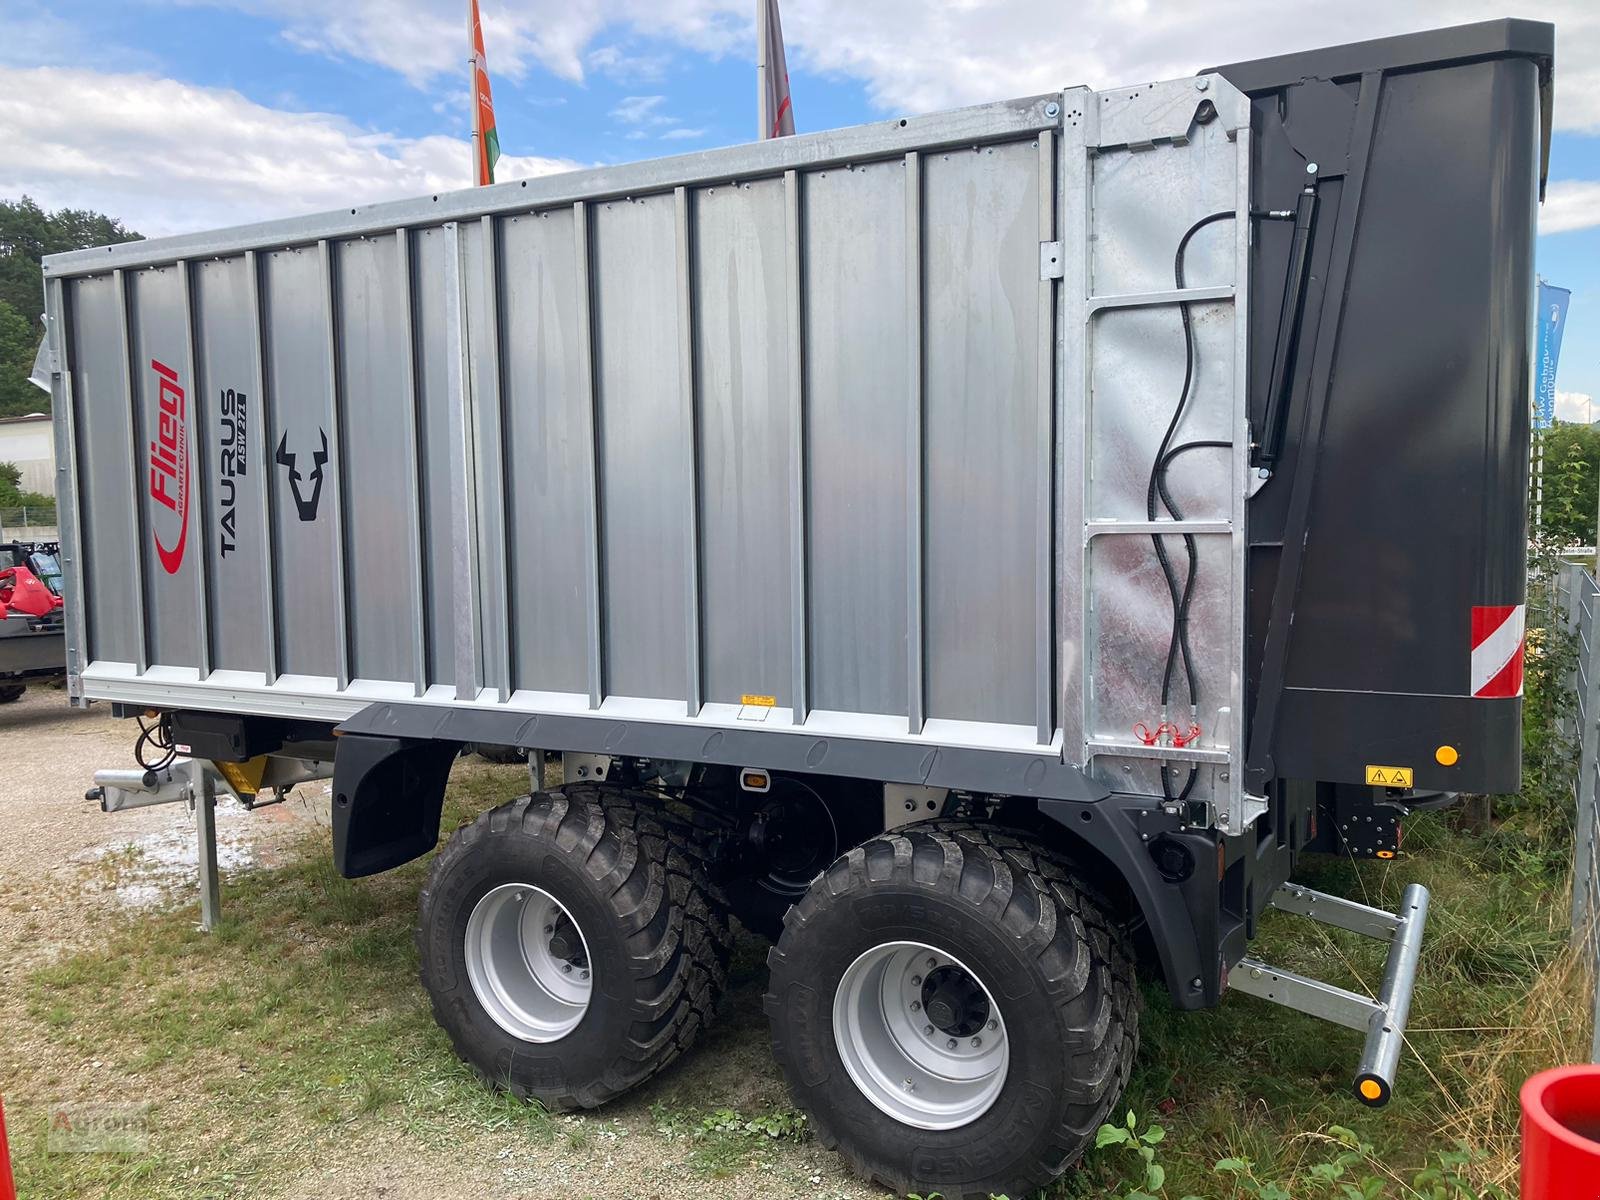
(918,1057)
(529,989)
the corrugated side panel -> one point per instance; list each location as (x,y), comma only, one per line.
(107,468)
(546,413)
(742,367)
(233,466)
(301,432)
(433,408)
(982,432)
(644,449)
(381,557)
(859,415)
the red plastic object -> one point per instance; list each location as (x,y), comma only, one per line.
(8,1186)
(1561,1135)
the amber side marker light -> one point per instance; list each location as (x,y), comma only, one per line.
(1447,756)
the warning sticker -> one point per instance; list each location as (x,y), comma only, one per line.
(1395,777)
(759,701)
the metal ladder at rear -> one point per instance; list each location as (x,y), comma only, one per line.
(1138,168)
(1382,1018)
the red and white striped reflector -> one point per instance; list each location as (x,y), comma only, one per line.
(1498,638)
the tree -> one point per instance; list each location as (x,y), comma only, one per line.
(17,346)
(27,234)
(11,493)
(1571,483)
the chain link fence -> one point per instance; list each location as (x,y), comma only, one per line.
(1578,605)
(28,523)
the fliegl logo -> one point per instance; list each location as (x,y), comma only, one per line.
(169,470)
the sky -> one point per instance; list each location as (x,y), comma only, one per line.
(176,115)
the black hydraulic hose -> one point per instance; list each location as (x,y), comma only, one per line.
(1178,646)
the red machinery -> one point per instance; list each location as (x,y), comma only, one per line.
(32,641)
(22,592)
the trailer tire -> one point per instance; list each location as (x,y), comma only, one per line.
(975,898)
(11,692)
(653,931)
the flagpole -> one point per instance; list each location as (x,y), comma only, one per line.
(763,117)
(472,91)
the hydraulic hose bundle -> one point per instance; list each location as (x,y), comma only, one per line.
(1157,490)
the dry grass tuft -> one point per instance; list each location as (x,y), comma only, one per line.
(1549,1027)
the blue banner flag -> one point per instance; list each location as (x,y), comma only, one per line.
(1552,321)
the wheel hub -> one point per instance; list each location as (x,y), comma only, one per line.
(920,1035)
(566,944)
(954,1001)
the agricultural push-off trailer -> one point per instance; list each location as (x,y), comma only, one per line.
(1011,537)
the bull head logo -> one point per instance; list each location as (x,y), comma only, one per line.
(305,506)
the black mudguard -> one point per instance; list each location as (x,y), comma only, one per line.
(387,797)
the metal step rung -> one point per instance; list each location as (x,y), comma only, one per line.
(1172,753)
(1194,295)
(1383,1018)
(1096,528)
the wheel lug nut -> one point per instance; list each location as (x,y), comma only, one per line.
(916,1006)
(585,975)
(994,1024)
(950,1045)
(549,929)
(976,1042)
(916,981)
(566,968)
(932,963)
(928,1030)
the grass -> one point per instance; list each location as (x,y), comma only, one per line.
(298,1026)
(300,1011)
(1499,996)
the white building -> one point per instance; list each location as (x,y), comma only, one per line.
(28,444)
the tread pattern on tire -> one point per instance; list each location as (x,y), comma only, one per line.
(674,918)
(1036,899)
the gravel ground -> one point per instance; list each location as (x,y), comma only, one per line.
(66,869)
(52,839)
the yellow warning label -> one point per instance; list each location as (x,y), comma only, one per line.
(1395,777)
(759,701)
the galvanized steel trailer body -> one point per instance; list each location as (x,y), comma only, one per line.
(815,548)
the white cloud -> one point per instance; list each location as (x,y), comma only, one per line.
(1577,407)
(1570,204)
(914,56)
(641,110)
(617,64)
(643,116)
(167,157)
(423,39)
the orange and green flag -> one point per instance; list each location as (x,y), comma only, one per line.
(485,138)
